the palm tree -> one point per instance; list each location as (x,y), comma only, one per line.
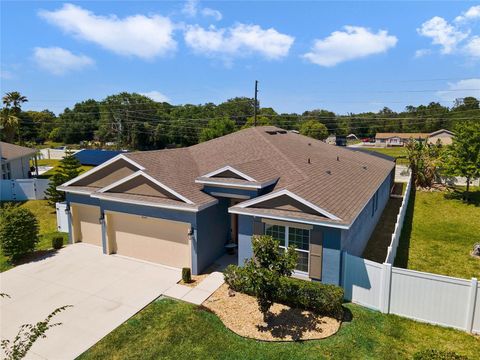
(14,100)
(9,120)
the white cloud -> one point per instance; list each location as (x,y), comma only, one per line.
(422,52)
(207,12)
(442,33)
(5,74)
(191,8)
(238,40)
(138,35)
(471,14)
(156,96)
(59,61)
(473,47)
(355,42)
(461,89)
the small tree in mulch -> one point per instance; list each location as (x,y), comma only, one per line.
(18,232)
(68,169)
(266,268)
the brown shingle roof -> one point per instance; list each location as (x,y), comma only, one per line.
(335,179)
(402,135)
(12,151)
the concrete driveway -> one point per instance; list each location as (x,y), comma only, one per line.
(104,291)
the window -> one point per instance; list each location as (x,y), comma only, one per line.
(6,171)
(299,238)
(374,203)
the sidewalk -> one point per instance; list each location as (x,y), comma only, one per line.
(198,294)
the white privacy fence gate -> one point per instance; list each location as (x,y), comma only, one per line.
(23,189)
(426,297)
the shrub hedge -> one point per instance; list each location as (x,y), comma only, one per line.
(321,298)
(57,242)
(432,354)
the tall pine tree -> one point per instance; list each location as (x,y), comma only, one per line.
(68,169)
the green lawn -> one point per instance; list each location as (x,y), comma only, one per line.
(169,329)
(400,153)
(55,163)
(47,220)
(439,232)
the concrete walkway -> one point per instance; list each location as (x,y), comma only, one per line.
(198,294)
(104,290)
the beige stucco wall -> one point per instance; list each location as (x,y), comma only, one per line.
(161,241)
(86,224)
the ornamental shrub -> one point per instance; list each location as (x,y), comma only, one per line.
(18,232)
(432,354)
(57,242)
(186,275)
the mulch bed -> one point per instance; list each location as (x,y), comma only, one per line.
(240,314)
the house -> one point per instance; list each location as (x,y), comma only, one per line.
(180,207)
(15,161)
(442,136)
(398,139)
(94,157)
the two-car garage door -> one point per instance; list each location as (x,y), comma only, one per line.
(156,240)
(161,241)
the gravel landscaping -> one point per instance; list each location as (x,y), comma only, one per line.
(241,315)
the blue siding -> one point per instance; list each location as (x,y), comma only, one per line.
(245,232)
(213,232)
(356,238)
(82,199)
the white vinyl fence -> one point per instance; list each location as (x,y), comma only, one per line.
(426,297)
(392,249)
(432,298)
(23,189)
(62,217)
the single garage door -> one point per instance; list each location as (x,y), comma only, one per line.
(161,241)
(86,224)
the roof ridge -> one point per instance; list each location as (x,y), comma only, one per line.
(277,150)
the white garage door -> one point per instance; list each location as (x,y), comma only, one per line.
(86,224)
(161,241)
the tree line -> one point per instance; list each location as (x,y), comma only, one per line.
(133,121)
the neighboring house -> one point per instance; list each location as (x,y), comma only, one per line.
(180,207)
(397,139)
(95,157)
(15,161)
(444,137)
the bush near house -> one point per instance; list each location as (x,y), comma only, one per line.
(18,232)
(321,298)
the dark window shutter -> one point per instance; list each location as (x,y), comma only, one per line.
(258,227)
(316,252)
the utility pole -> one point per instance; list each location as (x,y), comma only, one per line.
(256,104)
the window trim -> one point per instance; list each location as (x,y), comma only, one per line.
(286,241)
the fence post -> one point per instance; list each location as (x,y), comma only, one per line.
(471,305)
(385,288)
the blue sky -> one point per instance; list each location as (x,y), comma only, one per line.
(341,56)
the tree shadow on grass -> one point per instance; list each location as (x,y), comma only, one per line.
(403,250)
(459,194)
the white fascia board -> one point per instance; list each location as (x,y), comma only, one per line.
(235,185)
(72,191)
(101,166)
(286,218)
(293,196)
(229,168)
(147,203)
(229,185)
(148,177)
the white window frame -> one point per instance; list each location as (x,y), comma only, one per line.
(286,240)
